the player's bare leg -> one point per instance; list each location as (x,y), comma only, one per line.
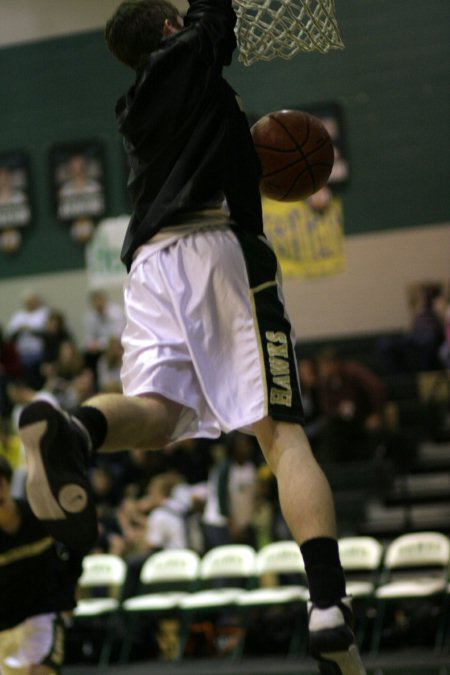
(145,422)
(60,449)
(307,505)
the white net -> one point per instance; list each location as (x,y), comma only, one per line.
(267,29)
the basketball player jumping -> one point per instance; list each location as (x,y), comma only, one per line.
(208,346)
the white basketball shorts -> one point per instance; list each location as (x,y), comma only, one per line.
(207,328)
(38,640)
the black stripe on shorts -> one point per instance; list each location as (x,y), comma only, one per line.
(274,330)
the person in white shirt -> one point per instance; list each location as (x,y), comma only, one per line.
(103,320)
(26,329)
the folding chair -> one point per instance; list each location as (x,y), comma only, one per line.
(166,577)
(443,637)
(100,586)
(416,566)
(222,565)
(361,558)
(282,582)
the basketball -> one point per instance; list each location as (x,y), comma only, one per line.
(296,154)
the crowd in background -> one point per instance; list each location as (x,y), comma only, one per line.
(196,493)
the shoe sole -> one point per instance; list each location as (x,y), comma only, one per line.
(68,511)
(342,663)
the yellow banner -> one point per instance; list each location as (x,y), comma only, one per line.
(308,242)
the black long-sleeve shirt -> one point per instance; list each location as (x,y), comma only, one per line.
(37,576)
(186,137)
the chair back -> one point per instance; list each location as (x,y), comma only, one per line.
(171,565)
(102,570)
(360,553)
(280,557)
(228,561)
(419,549)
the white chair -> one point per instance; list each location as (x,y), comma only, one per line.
(223,565)
(166,577)
(281,576)
(416,566)
(100,587)
(361,557)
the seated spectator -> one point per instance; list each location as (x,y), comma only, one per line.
(10,368)
(352,399)
(20,394)
(108,496)
(103,320)
(191,458)
(268,521)
(26,328)
(308,374)
(10,445)
(418,350)
(137,467)
(108,367)
(62,373)
(54,335)
(156,521)
(228,513)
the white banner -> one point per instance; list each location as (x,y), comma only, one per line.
(103,264)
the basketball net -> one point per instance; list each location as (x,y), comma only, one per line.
(267,29)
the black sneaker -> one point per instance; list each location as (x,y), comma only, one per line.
(332,641)
(57,485)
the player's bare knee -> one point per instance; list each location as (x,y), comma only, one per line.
(162,418)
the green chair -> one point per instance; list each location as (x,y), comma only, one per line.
(165,579)
(280,573)
(100,587)
(416,567)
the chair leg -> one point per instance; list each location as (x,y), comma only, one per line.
(111,630)
(443,626)
(298,642)
(377,628)
(130,624)
(185,622)
(243,626)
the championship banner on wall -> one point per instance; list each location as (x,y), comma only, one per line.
(309,242)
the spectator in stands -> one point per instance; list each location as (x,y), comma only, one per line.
(137,467)
(191,458)
(268,521)
(26,329)
(10,368)
(352,398)
(10,445)
(418,350)
(229,508)
(314,418)
(108,496)
(21,394)
(156,521)
(62,373)
(37,588)
(108,367)
(55,334)
(103,320)
(442,305)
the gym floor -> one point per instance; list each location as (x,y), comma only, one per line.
(410,662)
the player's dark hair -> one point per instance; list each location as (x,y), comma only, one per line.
(136,27)
(5,469)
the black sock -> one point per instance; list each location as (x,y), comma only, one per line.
(324,570)
(95,423)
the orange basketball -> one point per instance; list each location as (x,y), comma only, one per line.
(296,154)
